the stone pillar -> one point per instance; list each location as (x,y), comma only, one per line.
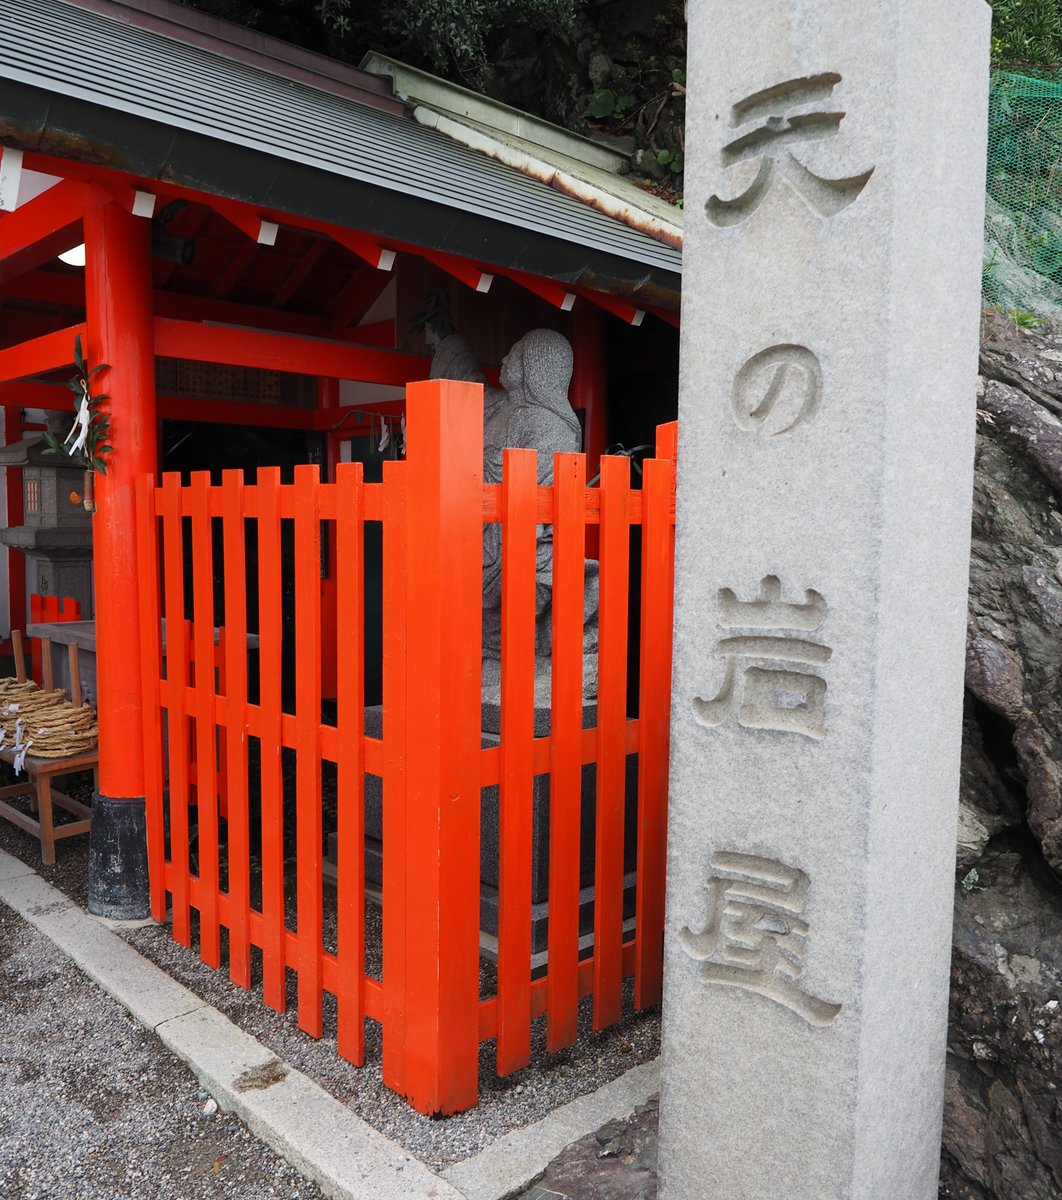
(834,204)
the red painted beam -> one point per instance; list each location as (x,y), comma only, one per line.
(42,229)
(461,269)
(67,291)
(52,397)
(260,227)
(354,300)
(231,412)
(275,352)
(47,287)
(40,354)
(365,247)
(627,313)
(666,315)
(553,293)
(239,263)
(379,333)
(297,275)
(183,307)
(249,218)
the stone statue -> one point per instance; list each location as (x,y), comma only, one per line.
(530,410)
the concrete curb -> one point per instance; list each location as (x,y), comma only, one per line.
(513,1162)
(345,1157)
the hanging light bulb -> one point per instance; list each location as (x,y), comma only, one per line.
(74,257)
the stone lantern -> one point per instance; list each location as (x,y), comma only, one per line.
(57,535)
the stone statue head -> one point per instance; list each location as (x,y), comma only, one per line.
(539,367)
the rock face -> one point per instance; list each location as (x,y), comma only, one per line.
(1003,1117)
(617,76)
(1003,1107)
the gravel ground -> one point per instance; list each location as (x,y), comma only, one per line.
(92,1106)
(505,1104)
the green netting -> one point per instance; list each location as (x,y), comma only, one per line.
(1023,225)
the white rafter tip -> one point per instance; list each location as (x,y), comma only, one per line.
(568,303)
(10,178)
(638,318)
(485,281)
(267,233)
(386,260)
(143,204)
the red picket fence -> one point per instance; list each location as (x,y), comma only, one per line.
(432,508)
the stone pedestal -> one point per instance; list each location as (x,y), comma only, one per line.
(833,209)
(540,837)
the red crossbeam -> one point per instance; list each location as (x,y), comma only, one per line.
(366,248)
(553,293)
(275,352)
(39,354)
(41,229)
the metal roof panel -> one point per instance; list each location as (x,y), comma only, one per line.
(66,50)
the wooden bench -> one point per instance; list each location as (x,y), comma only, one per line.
(41,771)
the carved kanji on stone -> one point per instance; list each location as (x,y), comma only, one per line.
(755,936)
(768,124)
(767,683)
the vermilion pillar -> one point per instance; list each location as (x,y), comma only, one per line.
(119,333)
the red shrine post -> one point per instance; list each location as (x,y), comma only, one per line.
(120,333)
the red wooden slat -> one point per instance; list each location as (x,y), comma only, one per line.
(611,725)
(394,773)
(654,706)
(667,441)
(150,671)
(350,778)
(270,633)
(176,650)
(569,540)
(444,619)
(221,690)
(308,749)
(235,710)
(206,730)
(515,803)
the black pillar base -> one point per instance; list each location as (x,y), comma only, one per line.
(118,869)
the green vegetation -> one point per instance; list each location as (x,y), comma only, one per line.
(451,35)
(1027,31)
(88,442)
(673,160)
(1024,318)
(605,104)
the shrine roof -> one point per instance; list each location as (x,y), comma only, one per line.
(160,93)
(592,171)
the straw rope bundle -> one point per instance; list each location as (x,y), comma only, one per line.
(43,723)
